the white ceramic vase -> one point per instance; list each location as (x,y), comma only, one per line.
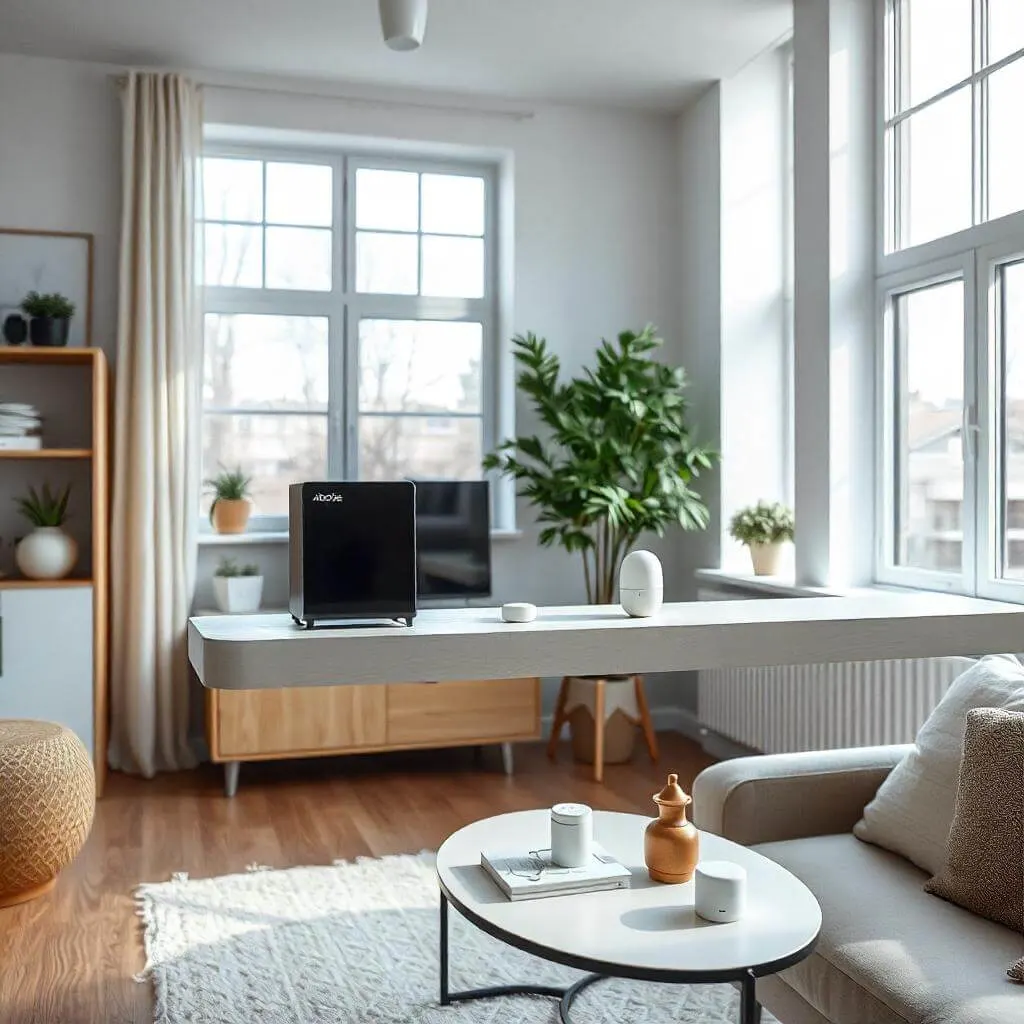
(237,594)
(47,553)
(765,558)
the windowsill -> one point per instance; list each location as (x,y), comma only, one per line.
(207,539)
(784,586)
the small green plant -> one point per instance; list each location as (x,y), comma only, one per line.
(52,305)
(230,569)
(764,523)
(45,508)
(228,485)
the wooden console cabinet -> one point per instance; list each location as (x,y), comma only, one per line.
(321,721)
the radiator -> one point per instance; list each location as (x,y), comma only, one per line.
(821,707)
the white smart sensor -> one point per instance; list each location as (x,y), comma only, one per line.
(641,585)
(720,891)
(518,611)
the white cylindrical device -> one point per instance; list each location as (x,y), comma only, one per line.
(641,585)
(403,23)
(572,835)
(720,890)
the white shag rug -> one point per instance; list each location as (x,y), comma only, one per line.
(357,943)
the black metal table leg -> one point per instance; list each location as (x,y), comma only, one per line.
(565,996)
(750,1008)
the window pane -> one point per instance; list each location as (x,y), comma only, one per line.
(299,258)
(1012,440)
(387,200)
(299,194)
(428,447)
(1005,28)
(275,450)
(453,204)
(420,366)
(1006,141)
(265,362)
(387,264)
(939,37)
(930,465)
(234,256)
(937,165)
(232,189)
(453,267)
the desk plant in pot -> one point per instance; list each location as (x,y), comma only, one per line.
(47,553)
(237,588)
(231,507)
(763,528)
(49,318)
(616,458)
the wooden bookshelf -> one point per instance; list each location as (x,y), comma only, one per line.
(93,450)
(46,453)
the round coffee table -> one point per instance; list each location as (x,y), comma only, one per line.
(648,932)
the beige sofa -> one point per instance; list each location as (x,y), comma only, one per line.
(888,952)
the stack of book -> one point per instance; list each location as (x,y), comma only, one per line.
(531,874)
(19,427)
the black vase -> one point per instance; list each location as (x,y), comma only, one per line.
(49,331)
(15,329)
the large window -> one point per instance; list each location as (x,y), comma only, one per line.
(954,152)
(350,319)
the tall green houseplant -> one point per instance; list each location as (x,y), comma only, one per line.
(617,458)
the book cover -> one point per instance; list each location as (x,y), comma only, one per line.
(530,874)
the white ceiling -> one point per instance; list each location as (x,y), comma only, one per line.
(641,53)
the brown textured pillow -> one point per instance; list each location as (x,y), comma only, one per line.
(984,869)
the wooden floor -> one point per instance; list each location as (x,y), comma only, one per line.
(70,956)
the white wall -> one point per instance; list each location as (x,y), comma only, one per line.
(60,163)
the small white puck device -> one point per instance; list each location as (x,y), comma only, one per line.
(518,611)
(572,835)
(720,891)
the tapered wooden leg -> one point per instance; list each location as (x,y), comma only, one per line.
(599,730)
(559,720)
(645,718)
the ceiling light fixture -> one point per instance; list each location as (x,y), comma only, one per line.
(403,23)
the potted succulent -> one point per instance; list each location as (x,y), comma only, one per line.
(230,509)
(237,588)
(617,459)
(47,553)
(764,528)
(49,318)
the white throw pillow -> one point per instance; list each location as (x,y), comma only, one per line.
(913,809)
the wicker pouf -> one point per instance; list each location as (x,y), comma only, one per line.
(47,800)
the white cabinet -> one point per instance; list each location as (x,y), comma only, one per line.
(46,656)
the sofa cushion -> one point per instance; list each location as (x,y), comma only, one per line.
(913,809)
(889,953)
(984,869)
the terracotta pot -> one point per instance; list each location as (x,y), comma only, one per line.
(671,843)
(47,553)
(765,558)
(230,515)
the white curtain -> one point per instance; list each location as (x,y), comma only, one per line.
(156,464)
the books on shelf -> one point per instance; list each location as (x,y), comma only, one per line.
(530,874)
(19,422)
(24,443)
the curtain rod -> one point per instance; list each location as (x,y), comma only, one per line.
(505,113)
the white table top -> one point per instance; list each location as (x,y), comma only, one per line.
(268,651)
(649,931)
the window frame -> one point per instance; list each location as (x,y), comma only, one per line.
(344,307)
(889,289)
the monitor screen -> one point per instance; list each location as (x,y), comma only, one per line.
(453,538)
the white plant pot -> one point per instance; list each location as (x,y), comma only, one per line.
(236,594)
(765,558)
(47,553)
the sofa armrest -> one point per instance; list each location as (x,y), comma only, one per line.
(790,796)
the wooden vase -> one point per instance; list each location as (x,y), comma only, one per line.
(671,843)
